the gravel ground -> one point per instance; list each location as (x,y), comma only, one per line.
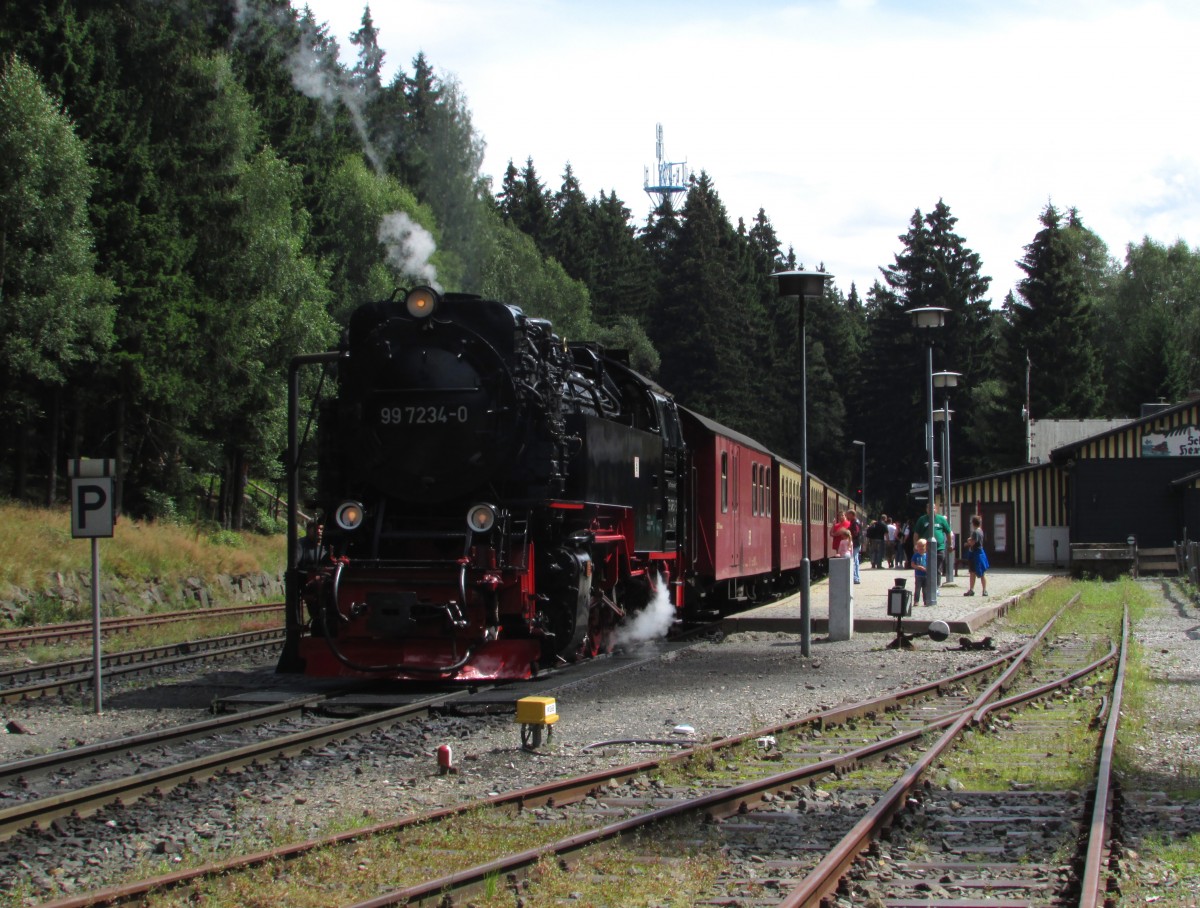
(740,683)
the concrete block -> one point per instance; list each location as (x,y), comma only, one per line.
(841,599)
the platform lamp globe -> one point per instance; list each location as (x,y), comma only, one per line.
(805,286)
(946,381)
(925,319)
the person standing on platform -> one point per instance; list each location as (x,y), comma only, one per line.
(977,559)
(835,531)
(877,539)
(842,538)
(889,544)
(856,539)
(938,536)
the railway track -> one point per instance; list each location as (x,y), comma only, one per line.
(777,817)
(81,781)
(16,638)
(576,790)
(54,678)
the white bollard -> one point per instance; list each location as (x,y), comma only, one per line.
(841,599)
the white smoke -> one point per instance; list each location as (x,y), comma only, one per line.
(653,622)
(314,78)
(409,248)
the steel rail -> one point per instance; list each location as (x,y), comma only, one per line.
(134,656)
(52,762)
(738,799)
(561,791)
(139,662)
(18,637)
(825,877)
(1091,880)
(87,800)
(718,804)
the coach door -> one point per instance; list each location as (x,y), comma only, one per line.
(1000,540)
(735,515)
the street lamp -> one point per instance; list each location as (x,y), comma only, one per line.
(946,381)
(862,492)
(928,317)
(804,285)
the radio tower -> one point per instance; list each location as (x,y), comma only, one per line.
(671,177)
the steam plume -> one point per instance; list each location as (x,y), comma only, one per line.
(653,622)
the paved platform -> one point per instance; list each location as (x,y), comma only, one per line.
(964,614)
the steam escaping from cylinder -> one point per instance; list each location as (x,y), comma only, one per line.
(653,622)
(409,248)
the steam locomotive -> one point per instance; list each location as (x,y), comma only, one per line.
(491,501)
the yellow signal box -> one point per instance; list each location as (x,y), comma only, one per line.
(534,714)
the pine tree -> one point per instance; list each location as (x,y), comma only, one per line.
(525,203)
(700,326)
(1054,320)
(623,279)
(571,234)
(1149,326)
(366,76)
(935,268)
(56,316)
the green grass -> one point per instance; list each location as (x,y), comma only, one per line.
(40,553)
(1168,874)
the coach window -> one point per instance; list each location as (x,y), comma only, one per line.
(724,482)
(754,489)
(766,492)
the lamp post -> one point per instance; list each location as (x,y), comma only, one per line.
(862,492)
(928,317)
(804,285)
(946,381)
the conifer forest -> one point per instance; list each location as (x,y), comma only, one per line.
(192,192)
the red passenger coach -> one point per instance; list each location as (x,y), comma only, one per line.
(730,536)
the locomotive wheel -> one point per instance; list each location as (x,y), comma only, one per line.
(569,588)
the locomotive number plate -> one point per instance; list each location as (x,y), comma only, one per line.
(422,416)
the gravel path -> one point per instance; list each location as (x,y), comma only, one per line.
(740,683)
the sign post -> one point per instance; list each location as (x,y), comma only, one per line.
(92,518)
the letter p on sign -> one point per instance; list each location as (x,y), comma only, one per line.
(91,500)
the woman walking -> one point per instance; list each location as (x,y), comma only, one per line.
(977,560)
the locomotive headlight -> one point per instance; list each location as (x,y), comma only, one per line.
(349,515)
(481,518)
(422,302)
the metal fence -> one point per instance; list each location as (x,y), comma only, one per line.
(1188,556)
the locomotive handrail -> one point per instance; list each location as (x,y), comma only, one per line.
(289,657)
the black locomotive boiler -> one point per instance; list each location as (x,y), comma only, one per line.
(488,499)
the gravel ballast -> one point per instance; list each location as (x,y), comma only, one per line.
(739,683)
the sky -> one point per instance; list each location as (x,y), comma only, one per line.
(838,118)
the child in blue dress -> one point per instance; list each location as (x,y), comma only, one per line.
(977,559)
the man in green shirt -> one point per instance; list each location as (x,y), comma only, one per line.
(942,531)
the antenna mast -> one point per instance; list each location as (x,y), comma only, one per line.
(671,177)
